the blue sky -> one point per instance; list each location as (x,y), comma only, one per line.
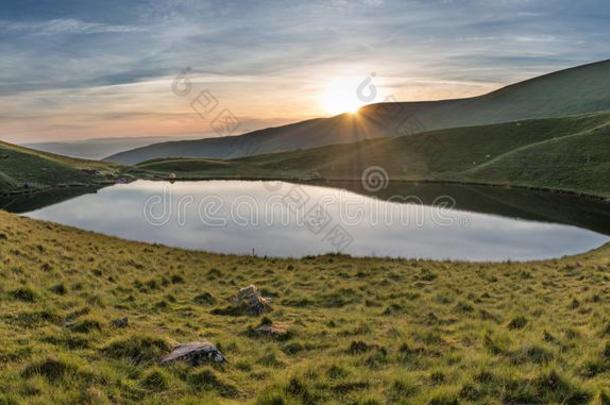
(80,69)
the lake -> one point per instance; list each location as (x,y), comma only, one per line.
(280,219)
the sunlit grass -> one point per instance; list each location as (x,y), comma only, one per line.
(361,330)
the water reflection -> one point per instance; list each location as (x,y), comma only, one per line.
(298,220)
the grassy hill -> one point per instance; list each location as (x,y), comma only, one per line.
(579,161)
(22,168)
(584,89)
(570,153)
(360,330)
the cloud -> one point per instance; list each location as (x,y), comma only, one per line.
(64,26)
(113,61)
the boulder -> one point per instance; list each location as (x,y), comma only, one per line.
(251,301)
(195,353)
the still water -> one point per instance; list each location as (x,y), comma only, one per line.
(282,219)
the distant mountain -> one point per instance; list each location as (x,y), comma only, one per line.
(579,90)
(96,148)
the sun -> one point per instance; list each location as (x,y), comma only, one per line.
(340,96)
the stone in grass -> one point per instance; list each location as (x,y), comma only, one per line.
(195,353)
(250,300)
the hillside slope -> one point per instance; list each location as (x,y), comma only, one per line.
(23,168)
(568,162)
(571,153)
(579,90)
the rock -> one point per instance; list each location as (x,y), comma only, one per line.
(250,300)
(195,353)
(120,323)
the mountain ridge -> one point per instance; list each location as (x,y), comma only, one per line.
(577,90)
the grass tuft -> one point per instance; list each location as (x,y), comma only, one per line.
(137,349)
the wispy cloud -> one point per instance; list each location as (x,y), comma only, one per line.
(65,26)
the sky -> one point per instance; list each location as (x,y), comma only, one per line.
(88,69)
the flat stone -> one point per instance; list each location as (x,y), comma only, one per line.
(195,353)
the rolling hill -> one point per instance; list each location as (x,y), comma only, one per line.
(580,90)
(570,153)
(97,148)
(26,169)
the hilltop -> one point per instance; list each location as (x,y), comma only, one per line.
(579,90)
(569,154)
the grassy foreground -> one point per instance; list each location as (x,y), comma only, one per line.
(361,330)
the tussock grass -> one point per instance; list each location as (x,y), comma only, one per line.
(371,331)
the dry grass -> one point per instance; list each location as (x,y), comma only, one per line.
(361,330)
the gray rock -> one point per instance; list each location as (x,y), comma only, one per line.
(251,300)
(195,353)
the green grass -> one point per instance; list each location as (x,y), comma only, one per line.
(577,162)
(560,153)
(361,330)
(21,166)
